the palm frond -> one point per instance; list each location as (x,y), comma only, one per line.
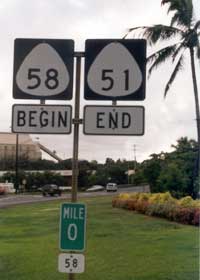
(160,57)
(197,25)
(198,49)
(178,50)
(198,52)
(183,12)
(178,67)
(156,33)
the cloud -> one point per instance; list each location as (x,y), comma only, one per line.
(166,120)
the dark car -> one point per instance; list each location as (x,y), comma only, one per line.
(51,190)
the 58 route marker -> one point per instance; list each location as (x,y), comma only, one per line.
(43,69)
(71,263)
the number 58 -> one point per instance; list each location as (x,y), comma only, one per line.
(51,81)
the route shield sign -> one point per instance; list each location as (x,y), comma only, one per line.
(115,69)
(72,226)
(43,69)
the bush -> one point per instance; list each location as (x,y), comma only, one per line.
(184,215)
(142,206)
(185,201)
(196,217)
(123,196)
(161,205)
(144,197)
(188,202)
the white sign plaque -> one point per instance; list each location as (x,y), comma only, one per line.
(113,120)
(44,119)
(71,263)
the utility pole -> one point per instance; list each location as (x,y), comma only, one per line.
(134,152)
(16,164)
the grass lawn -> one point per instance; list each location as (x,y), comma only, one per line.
(121,245)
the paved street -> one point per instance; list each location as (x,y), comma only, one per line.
(11,200)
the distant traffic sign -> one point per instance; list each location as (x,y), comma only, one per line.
(71,263)
(115,69)
(72,226)
(45,119)
(43,69)
(113,120)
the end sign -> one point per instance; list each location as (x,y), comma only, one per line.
(72,226)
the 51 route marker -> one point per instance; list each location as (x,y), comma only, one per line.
(115,69)
(72,226)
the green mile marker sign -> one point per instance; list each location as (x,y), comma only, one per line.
(72,226)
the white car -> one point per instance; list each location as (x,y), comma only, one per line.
(111,187)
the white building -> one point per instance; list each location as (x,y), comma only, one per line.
(27,149)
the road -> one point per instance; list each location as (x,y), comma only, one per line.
(11,200)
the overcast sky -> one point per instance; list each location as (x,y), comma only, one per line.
(165,120)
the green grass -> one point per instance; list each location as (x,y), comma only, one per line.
(121,245)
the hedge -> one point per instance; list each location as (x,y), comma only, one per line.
(185,211)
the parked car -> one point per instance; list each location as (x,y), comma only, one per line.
(111,187)
(51,190)
(2,190)
(95,188)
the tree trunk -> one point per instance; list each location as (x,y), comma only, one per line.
(197,110)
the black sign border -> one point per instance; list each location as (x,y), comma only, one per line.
(93,48)
(64,47)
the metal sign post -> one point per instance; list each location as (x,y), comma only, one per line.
(76,122)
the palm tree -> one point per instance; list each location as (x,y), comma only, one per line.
(186,31)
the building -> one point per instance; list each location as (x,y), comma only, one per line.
(27,149)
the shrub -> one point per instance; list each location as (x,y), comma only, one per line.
(196,217)
(123,196)
(186,201)
(130,205)
(154,198)
(196,203)
(143,197)
(142,206)
(184,215)
(185,210)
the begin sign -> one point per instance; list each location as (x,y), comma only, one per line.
(46,119)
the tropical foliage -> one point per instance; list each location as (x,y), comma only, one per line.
(175,171)
(181,37)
